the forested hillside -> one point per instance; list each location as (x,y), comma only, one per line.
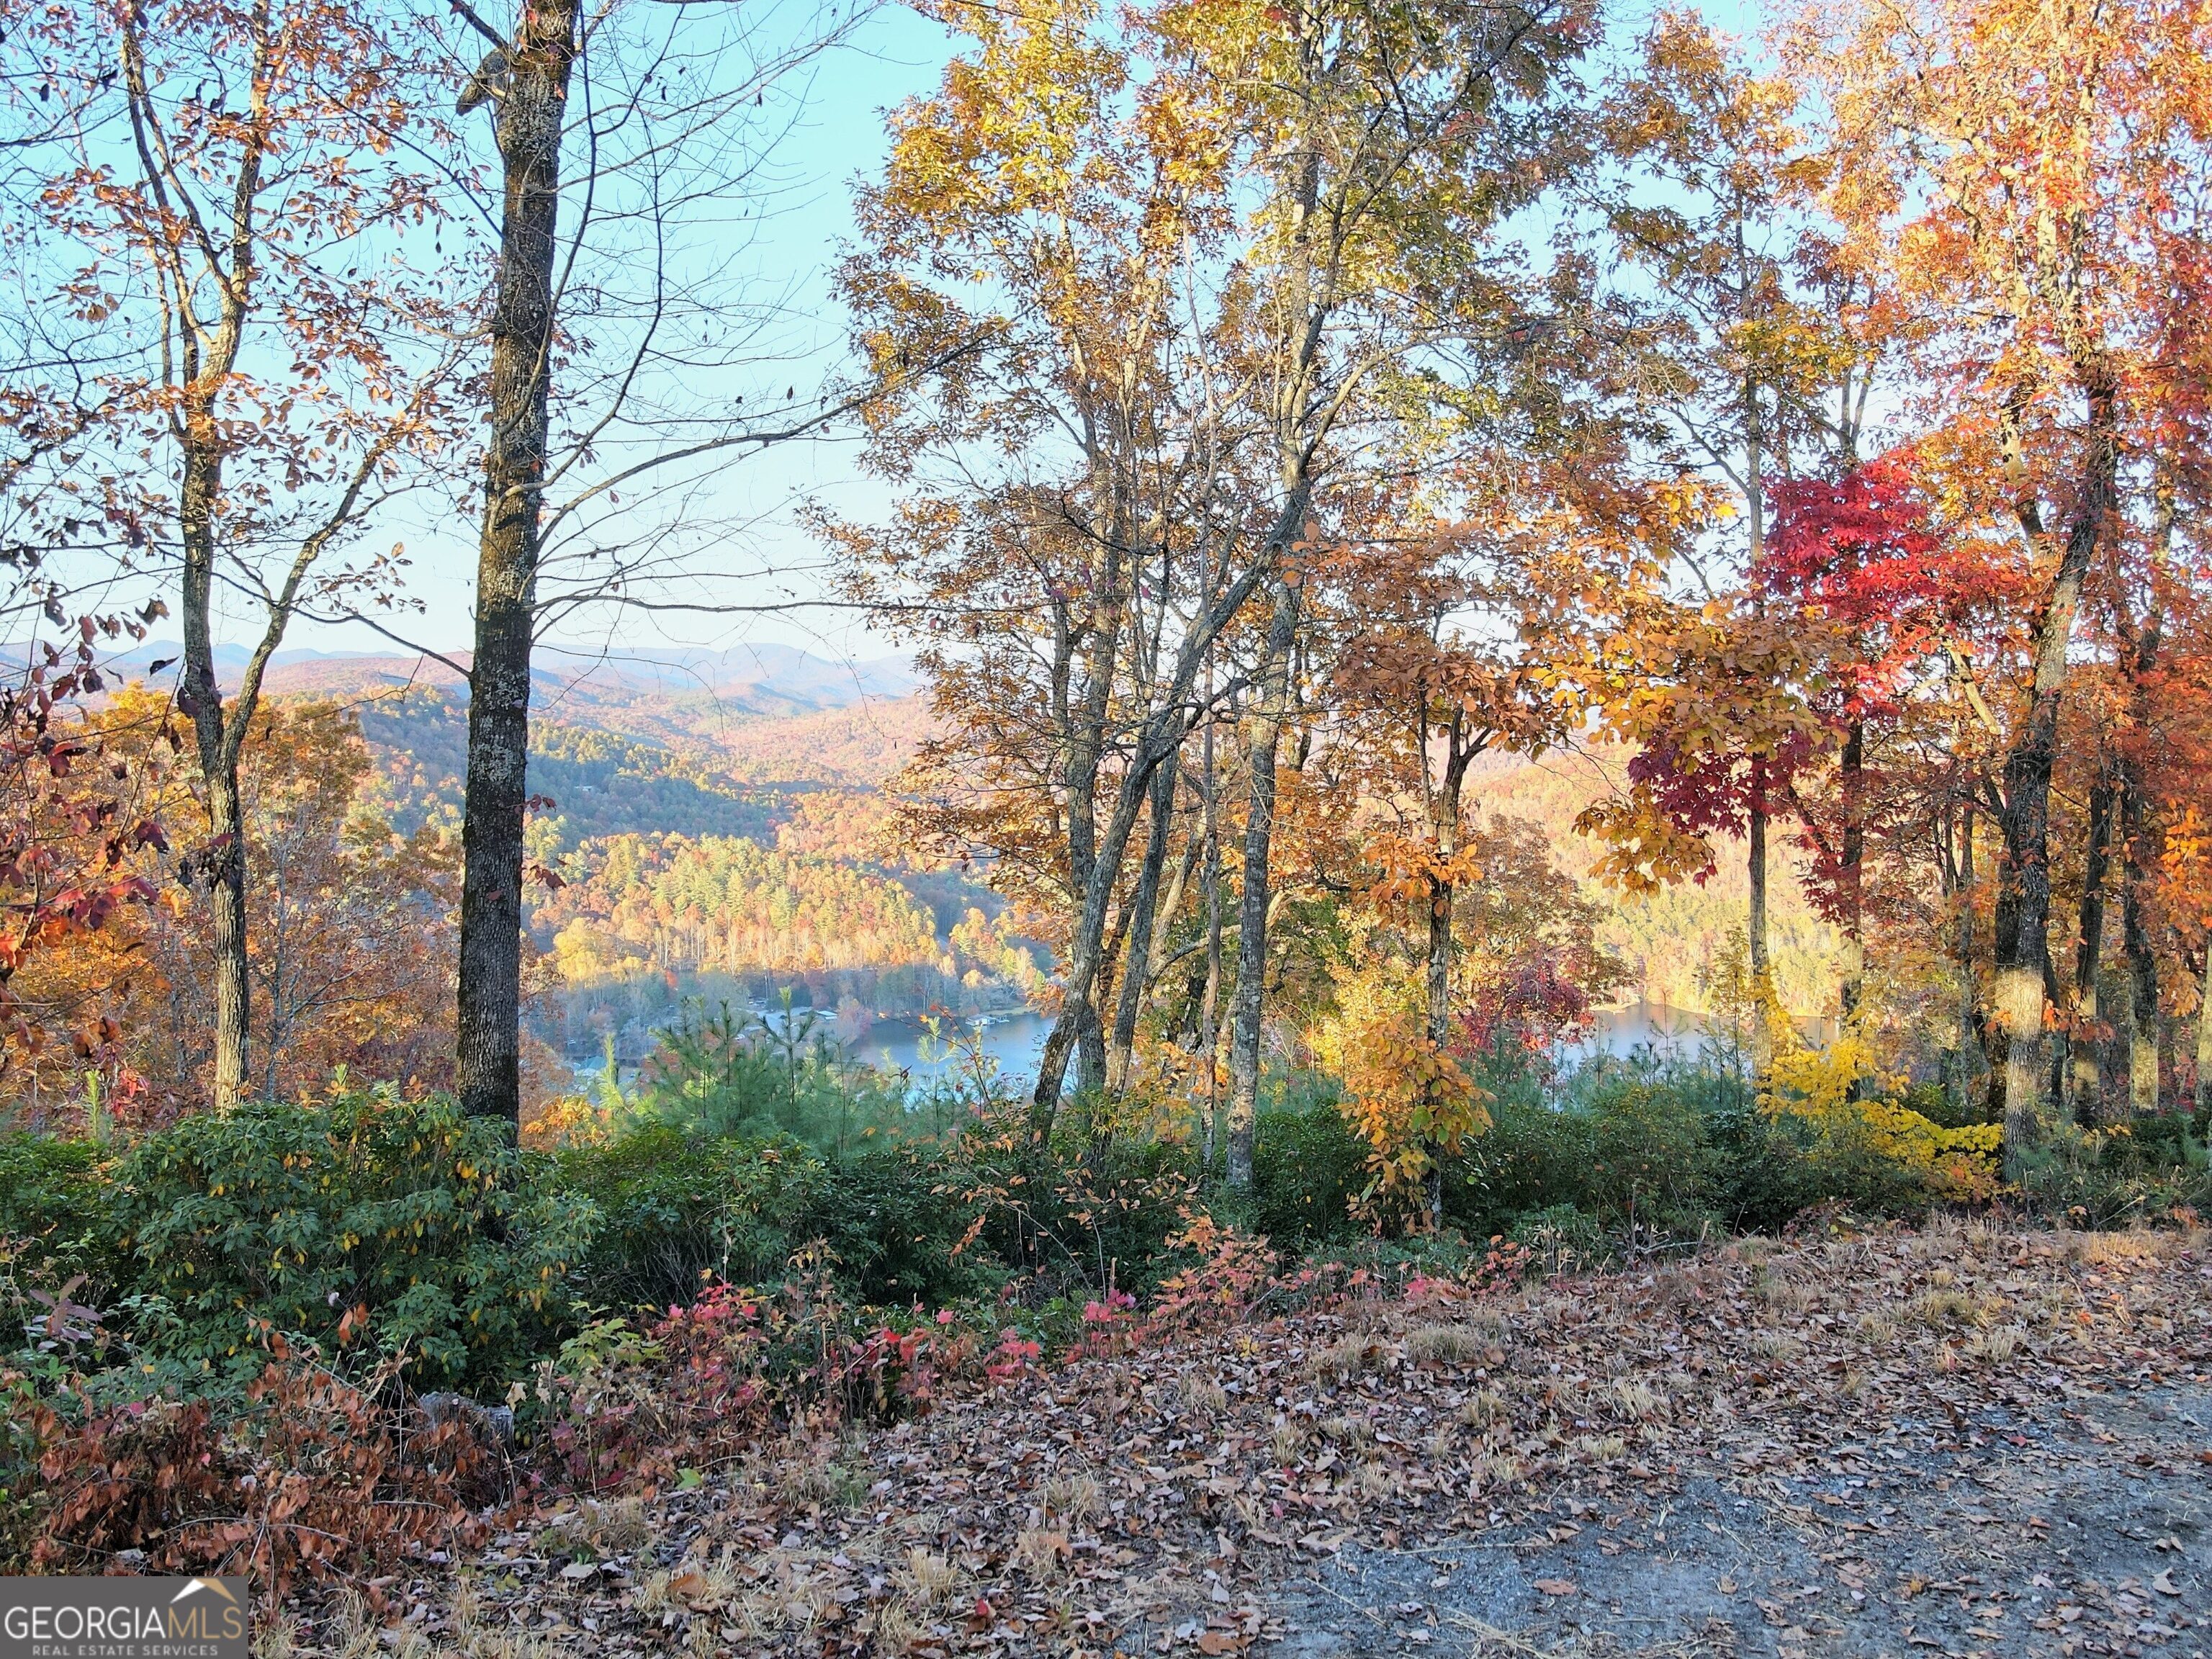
(1671,943)
(686,867)
(825,785)
(599,782)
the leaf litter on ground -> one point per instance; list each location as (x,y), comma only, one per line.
(1172,1497)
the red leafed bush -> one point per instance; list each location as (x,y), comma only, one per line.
(1015,1357)
(1109,1325)
(316,1478)
(1232,1270)
(706,1382)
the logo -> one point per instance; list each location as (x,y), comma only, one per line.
(122,1618)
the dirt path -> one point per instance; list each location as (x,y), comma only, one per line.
(1963,1441)
(2086,1529)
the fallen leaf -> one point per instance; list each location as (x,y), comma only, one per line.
(1556,1586)
(1218,1642)
(2164,1583)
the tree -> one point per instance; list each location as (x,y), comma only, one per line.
(229,200)
(662,110)
(350,927)
(1070,599)
(1187,398)
(2022,177)
(1891,595)
(1386,149)
(1533,969)
(80,801)
(526,78)
(1743,347)
(1712,699)
(1447,661)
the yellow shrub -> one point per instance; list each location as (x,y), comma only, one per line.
(567,1120)
(1404,1096)
(1814,1086)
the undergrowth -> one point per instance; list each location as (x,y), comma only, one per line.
(226,1328)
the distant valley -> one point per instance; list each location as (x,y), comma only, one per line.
(657,766)
(716,828)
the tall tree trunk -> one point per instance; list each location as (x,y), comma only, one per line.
(2023,924)
(1138,954)
(528,123)
(2203,1101)
(1971,1026)
(2142,952)
(1755,502)
(1853,869)
(1762,983)
(1209,1014)
(1247,1003)
(1085,749)
(203,351)
(1445,828)
(1957,1071)
(2088,1081)
(1159,742)
(225,865)
(2137,853)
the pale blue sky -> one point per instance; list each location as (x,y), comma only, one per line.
(841,137)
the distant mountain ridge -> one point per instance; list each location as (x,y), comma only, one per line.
(695,741)
(746,681)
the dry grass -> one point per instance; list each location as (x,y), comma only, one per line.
(353,1632)
(598,1528)
(1074,1499)
(471,1639)
(1638,1400)
(896,1628)
(1769,1343)
(2116,1250)
(1445,1344)
(621,1525)
(1345,1431)
(1996,1346)
(834,1482)
(1495,1471)
(1483,1408)
(1787,1296)
(929,1578)
(1038,1551)
(1343,1360)
(1491,1320)
(1944,1307)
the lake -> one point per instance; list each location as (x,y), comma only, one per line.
(1619,1032)
(1015,1040)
